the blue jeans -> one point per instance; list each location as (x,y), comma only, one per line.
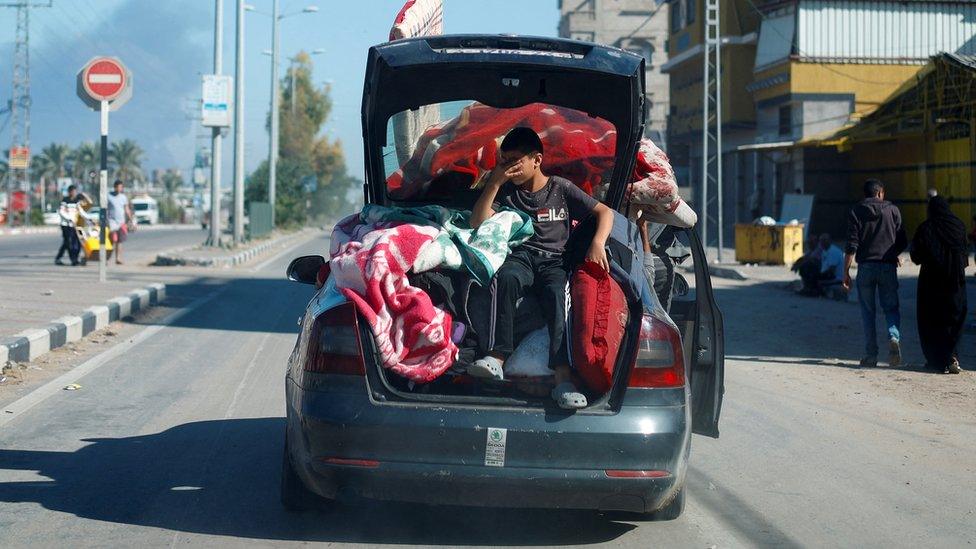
(880,279)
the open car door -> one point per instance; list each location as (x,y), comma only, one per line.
(697,316)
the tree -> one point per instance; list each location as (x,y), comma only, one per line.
(126,157)
(54,161)
(305,156)
(169,207)
(85,159)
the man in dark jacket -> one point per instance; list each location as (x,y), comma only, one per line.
(876,238)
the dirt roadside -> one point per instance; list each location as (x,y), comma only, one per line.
(20,378)
(818,343)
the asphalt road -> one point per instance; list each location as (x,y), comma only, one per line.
(141,246)
(177,441)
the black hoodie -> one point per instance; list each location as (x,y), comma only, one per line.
(875,233)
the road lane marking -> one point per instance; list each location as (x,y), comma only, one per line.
(17,408)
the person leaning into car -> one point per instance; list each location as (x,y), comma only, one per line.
(553,203)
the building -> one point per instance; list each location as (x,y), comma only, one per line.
(796,72)
(639,26)
(922,137)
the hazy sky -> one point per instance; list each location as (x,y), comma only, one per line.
(167,44)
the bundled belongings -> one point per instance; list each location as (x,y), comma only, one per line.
(578,147)
(372,253)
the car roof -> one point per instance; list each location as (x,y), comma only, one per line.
(505,72)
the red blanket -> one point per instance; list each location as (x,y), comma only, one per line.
(578,147)
(370,269)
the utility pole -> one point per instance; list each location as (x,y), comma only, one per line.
(273,142)
(20,103)
(239,127)
(215,137)
(712,112)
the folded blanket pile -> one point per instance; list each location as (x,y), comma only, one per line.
(374,250)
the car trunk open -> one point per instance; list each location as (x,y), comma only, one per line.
(408,76)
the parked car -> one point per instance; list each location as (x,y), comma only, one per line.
(145,209)
(354,430)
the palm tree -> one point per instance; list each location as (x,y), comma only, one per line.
(85,159)
(55,158)
(126,156)
(169,208)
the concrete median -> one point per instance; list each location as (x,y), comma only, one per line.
(32,343)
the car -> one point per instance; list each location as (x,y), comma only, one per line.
(145,209)
(354,430)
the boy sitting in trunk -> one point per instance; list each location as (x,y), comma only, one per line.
(553,203)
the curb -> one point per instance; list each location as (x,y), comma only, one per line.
(30,344)
(175,259)
(47,229)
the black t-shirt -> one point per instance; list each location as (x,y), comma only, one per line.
(552,208)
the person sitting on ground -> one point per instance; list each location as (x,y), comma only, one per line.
(828,275)
(553,203)
(808,266)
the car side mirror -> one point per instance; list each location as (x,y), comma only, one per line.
(305,269)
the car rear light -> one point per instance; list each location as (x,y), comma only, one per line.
(369,463)
(624,473)
(660,361)
(334,346)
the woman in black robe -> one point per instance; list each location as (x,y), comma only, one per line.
(939,246)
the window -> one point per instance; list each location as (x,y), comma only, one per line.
(677,19)
(690,11)
(439,153)
(786,120)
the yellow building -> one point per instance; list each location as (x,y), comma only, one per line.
(795,72)
(920,138)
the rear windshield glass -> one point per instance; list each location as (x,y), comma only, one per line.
(440,153)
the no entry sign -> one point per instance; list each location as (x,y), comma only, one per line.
(104,79)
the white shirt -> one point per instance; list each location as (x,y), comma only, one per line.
(832,259)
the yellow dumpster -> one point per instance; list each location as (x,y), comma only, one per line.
(771,245)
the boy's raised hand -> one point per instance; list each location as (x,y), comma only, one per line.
(503,172)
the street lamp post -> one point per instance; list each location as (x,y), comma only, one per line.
(276,18)
(239,127)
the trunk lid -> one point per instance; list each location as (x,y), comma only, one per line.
(502,72)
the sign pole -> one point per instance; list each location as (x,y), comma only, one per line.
(103,195)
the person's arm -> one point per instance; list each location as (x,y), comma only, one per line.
(604,223)
(853,241)
(64,214)
(482,209)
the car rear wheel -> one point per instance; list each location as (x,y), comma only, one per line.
(670,511)
(294,495)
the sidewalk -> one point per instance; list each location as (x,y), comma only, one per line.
(55,229)
(43,306)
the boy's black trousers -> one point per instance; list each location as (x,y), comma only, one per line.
(543,274)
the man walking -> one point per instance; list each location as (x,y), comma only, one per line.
(876,238)
(68,213)
(119,213)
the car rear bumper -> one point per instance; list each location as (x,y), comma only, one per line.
(346,446)
(489,486)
